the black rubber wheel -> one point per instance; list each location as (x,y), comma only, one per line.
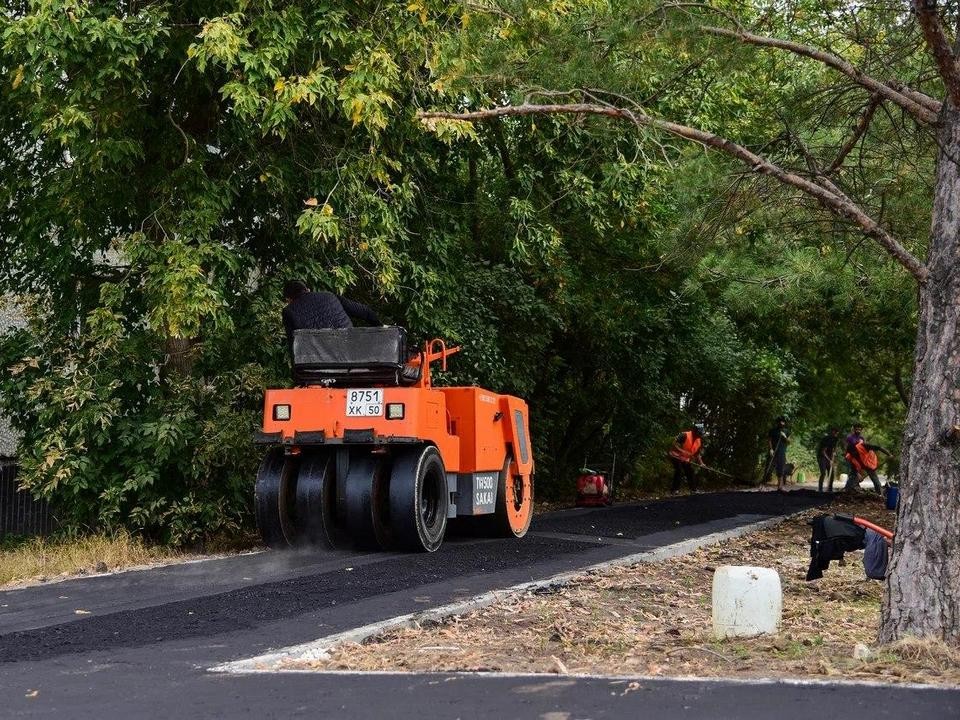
(380,503)
(364,468)
(419,499)
(274,499)
(317,521)
(287,502)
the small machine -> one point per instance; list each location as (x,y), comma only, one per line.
(592,489)
(595,486)
(366,452)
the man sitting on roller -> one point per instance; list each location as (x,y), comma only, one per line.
(308,310)
(687,448)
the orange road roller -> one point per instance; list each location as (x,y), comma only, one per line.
(366,452)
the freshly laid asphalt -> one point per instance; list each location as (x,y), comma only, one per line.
(139,644)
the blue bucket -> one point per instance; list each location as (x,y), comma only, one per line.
(893,497)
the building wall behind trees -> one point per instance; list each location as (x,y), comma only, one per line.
(10,316)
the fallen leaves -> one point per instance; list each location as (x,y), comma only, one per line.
(655,618)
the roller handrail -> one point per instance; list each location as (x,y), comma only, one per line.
(444,353)
(429,355)
(864,523)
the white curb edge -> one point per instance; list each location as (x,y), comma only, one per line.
(615,679)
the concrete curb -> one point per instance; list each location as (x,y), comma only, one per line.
(616,679)
(319,649)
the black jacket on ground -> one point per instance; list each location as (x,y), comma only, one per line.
(832,537)
(319,310)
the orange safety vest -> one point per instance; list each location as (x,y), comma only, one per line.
(863,459)
(689,449)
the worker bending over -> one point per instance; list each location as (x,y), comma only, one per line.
(687,449)
(861,459)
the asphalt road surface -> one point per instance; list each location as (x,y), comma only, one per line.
(139,644)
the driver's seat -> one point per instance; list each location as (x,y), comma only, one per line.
(354,357)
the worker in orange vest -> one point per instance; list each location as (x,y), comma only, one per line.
(687,448)
(861,459)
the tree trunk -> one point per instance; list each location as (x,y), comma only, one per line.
(923,586)
(180,357)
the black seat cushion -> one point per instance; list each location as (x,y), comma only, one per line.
(350,356)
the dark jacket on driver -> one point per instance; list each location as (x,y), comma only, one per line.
(319,310)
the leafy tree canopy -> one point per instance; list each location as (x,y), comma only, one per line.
(166,166)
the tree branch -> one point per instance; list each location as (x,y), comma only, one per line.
(928,17)
(186,139)
(901,387)
(923,107)
(838,204)
(932,104)
(819,176)
(501,144)
(858,133)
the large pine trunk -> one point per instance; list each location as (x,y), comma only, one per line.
(923,587)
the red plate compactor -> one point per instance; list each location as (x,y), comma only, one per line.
(592,489)
(365,451)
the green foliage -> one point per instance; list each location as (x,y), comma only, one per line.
(115,443)
(161,164)
(166,166)
(815,320)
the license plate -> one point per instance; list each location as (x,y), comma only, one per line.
(365,403)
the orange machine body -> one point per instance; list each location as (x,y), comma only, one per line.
(471,427)
(368,451)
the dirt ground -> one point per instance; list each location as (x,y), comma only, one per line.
(655,619)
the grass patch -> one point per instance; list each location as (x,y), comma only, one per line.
(25,561)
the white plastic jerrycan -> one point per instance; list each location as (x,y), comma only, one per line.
(747,601)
